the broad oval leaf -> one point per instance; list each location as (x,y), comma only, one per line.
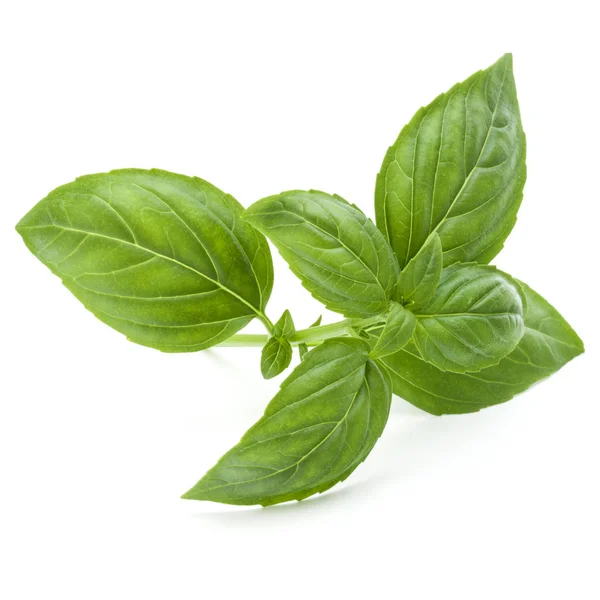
(275,357)
(320,426)
(458,169)
(162,258)
(397,331)
(547,345)
(340,256)
(474,319)
(420,277)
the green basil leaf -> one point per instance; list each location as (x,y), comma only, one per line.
(320,426)
(303,348)
(339,255)
(317,322)
(277,352)
(275,357)
(397,331)
(474,319)
(547,345)
(284,328)
(457,169)
(162,258)
(420,277)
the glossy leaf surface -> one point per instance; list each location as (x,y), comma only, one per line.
(474,319)
(275,357)
(162,258)
(547,345)
(458,169)
(342,259)
(397,331)
(419,278)
(320,426)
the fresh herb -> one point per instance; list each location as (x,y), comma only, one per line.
(276,354)
(176,264)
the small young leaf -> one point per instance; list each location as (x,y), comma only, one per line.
(420,277)
(398,329)
(342,259)
(458,169)
(277,352)
(547,345)
(317,322)
(275,357)
(320,426)
(162,258)
(284,328)
(474,319)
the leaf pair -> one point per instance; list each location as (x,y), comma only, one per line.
(548,343)
(277,352)
(468,316)
(464,318)
(456,173)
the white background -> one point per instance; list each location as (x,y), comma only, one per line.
(99,437)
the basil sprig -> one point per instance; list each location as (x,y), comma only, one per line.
(176,264)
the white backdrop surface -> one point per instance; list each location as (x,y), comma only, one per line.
(99,437)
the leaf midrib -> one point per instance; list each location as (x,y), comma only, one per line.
(337,239)
(217,218)
(476,375)
(475,166)
(149,250)
(468,177)
(297,463)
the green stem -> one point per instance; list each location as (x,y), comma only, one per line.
(310,336)
(246,339)
(253,339)
(266,322)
